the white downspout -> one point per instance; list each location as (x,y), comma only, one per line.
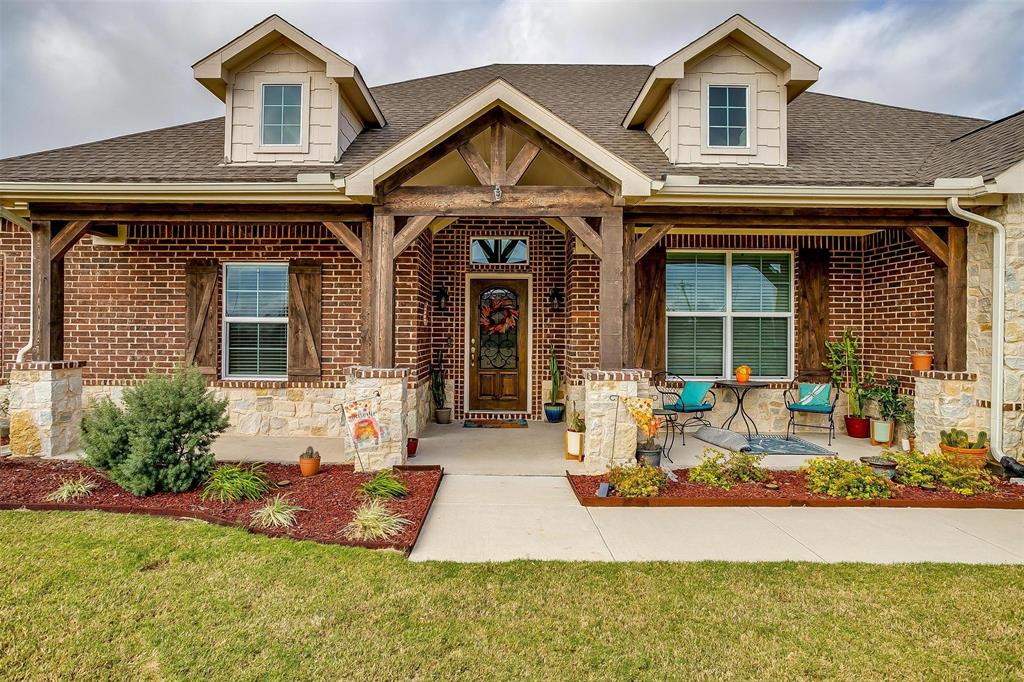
(998,315)
(31,303)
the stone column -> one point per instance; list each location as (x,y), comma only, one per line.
(387,389)
(611,433)
(45,408)
(943,401)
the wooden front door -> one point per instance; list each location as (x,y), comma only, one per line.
(498,349)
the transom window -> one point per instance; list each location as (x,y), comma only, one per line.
(727,116)
(728,309)
(282,114)
(484,251)
(256,321)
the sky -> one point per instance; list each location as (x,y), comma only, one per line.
(74,71)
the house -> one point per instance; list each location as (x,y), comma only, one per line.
(327,241)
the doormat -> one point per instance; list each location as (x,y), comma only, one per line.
(777,444)
(495,424)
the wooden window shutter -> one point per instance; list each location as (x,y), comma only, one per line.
(201,313)
(649,348)
(812,310)
(304,279)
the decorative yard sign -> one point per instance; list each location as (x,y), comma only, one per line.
(363,426)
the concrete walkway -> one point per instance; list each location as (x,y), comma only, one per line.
(501,518)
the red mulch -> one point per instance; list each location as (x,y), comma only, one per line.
(330,498)
(792,492)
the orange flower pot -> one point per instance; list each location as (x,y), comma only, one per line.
(967,457)
(309,466)
(921,362)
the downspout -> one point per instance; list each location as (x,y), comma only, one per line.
(998,315)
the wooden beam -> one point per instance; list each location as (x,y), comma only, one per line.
(414,227)
(521,163)
(196,213)
(47,290)
(67,238)
(611,299)
(346,236)
(931,243)
(560,154)
(628,297)
(587,234)
(476,163)
(471,201)
(499,162)
(955,328)
(382,324)
(366,350)
(648,240)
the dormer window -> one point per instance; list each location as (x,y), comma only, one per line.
(282,114)
(728,116)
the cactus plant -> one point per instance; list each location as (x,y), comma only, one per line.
(958,438)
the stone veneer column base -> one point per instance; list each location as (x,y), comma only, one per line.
(389,389)
(943,401)
(611,433)
(45,408)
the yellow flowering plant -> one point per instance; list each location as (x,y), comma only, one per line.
(642,412)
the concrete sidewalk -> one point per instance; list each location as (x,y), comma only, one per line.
(501,518)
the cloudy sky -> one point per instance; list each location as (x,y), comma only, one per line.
(76,70)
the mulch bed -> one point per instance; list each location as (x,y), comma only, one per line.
(792,492)
(330,498)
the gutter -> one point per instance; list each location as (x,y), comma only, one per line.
(998,315)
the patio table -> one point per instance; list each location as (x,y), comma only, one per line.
(740,390)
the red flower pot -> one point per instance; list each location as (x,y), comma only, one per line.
(411,445)
(857,427)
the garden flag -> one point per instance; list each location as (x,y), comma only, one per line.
(363,426)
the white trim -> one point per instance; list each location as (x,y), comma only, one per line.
(305,84)
(728,315)
(468,320)
(224,321)
(748,83)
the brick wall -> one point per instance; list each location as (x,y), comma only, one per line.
(582,296)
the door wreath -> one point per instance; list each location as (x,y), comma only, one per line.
(498,315)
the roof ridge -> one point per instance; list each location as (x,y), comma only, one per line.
(494,64)
(895,106)
(988,125)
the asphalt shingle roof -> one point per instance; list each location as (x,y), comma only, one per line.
(832,140)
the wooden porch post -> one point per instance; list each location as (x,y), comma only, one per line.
(47,297)
(628,299)
(366,353)
(612,296)
(382,292)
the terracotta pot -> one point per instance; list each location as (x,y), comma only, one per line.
(967,457)
(309,466)
(411,445)
(857,427)
(921,362)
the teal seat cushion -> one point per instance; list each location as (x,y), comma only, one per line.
(815,395)
(821,409)
(693,396)
(676,407)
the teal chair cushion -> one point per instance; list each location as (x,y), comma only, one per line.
(815,394)
(677,407)
(693,396)
(821,409)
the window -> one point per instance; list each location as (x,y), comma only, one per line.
(256,321)
(282,114)
(727,116)
(729,309)
(498,251)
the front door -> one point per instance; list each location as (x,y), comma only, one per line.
(498,351)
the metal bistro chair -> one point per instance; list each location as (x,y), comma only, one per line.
(695,399)
(808,397)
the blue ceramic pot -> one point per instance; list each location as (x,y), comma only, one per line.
(554,412)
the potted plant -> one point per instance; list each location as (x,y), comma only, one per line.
(921,361)
(965,451)
(843,361)
(442,414)
(309,462)
(574,435)
(890,406)
(647,450)
(554,411)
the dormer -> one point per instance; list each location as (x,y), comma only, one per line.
(287,98)
(722,99)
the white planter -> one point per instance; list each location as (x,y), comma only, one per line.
(574,442)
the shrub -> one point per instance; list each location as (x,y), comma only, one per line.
(279,512)
(967,480)
(723,471)
(236,482)
(641,480)
(919,469)
(374,521)
(842,478)
(384,484)
(72,489)
(161,440)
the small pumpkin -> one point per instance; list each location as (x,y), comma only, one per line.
(743,373)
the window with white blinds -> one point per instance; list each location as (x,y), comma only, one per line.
(727,309)
(256,321)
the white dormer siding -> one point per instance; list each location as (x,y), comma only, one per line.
(328,122)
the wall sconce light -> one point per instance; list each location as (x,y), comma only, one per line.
(441,297)
(556,297)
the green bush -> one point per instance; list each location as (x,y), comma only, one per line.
(724,471)
(937,468)
(967,480)
(842,478)
(374,521)
(161,440)
(641,480)
(384,484)
(236,482)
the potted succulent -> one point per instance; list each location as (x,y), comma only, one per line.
(890,406)
(554,411)
(574,435)
(647,450)
(965,451)
(843,361)
(921,361)
(442,414)
(309,462)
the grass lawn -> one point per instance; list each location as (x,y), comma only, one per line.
(103,596)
